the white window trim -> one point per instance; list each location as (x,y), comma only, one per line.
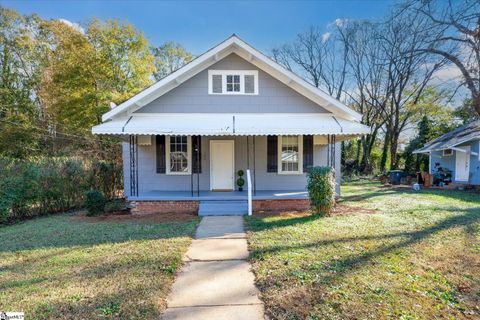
(189,159)
(241,73)
(300,157)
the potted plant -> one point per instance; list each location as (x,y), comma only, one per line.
(240,180)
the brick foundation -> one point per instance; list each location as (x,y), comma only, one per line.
(280,205)
(191,206)
(165,206)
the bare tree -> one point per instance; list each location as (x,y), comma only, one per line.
(456,37)
(367,77)
(321,56)
(408,70)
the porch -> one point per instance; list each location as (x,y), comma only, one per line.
(215,195)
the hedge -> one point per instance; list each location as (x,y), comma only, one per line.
(48,185)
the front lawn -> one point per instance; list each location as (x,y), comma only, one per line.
(399,255)
(69,267)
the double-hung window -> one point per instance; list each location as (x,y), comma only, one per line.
(290,154)
(178,150)
(233,82)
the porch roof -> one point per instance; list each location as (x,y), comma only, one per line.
(222,124)
(453,138)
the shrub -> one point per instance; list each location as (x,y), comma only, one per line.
(321,189)
(113,206)
(95,202)
(38,186)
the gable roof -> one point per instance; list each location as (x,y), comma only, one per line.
(233,44)
(453,138)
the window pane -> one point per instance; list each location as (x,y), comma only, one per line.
(289,154)
(178,154)
(249,84)
(217,83)
(233,83)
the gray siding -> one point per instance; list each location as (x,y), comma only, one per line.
(449,162)
(192,95)
(149,180)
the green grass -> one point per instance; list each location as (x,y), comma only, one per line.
(418,257)
(63,267)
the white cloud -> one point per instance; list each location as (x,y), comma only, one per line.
(339,22)
(73,25)
(326,36)
(448,73)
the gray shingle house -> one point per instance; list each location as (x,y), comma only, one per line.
(457,151)
(230,109)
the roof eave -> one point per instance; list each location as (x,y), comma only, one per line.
(215,54)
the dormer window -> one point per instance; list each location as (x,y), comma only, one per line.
(236,82)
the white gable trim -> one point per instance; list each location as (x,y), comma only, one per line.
(247,52)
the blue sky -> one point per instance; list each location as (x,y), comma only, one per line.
(199,25)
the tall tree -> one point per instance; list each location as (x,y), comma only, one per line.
(320,56)
(110,62)
(21,65)
(124,55)
(367,76)
(169,57)
(455,36)
(408,71)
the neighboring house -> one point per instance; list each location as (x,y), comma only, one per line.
(230,109)
(457,151)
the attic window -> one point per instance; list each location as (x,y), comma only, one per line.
(234,82)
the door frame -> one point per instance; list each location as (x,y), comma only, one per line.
(232,142)
(467,159)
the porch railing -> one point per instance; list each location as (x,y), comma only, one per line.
(249,192)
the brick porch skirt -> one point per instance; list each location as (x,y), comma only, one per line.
(164,206)
(279,205)
(191,206)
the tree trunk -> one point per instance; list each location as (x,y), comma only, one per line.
(357,157)
(476,103)
(386,143)
(393,152)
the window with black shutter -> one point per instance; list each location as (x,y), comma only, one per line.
(307,153)
(161,160)
(196,158)
(272,153)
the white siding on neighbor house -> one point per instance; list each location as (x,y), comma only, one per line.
(149,179)
(192,95)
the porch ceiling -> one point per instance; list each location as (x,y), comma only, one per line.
(221,124)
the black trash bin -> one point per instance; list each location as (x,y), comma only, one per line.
(396,176)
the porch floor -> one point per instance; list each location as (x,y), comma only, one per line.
(216,195)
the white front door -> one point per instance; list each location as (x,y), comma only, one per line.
(222,165)
(462,164)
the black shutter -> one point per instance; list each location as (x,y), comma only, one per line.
(272,154)
(161,156)
(196,160)
(307,153)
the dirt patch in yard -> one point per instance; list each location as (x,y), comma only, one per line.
(152,217)
(339,210)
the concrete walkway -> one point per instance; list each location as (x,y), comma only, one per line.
(216,281)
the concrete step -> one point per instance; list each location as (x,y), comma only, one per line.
(223,208)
